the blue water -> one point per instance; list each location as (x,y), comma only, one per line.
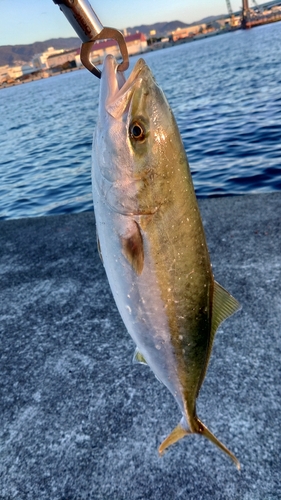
(225,92)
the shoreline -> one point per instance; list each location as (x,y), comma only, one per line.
(45,74)
(36,78)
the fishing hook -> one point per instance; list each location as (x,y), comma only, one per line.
(88,27)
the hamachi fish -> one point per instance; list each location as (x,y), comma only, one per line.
(151,239)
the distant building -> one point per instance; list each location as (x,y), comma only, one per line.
(27,69)
(58,60)
(136,44)
(4,73)
(14,72)
(188,31)
(229,21)
(53,60)
(40,61)
(8,73)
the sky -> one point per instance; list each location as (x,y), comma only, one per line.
(28,21)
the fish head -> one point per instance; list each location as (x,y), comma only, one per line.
(137,141)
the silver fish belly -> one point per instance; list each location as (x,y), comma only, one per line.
(152,240)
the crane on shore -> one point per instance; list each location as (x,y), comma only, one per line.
(257,5)
(245,7)
(229,8)
(253,16)
(230,12)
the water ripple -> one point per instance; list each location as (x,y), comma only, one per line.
(225,94)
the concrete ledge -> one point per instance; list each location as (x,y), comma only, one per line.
(79,421)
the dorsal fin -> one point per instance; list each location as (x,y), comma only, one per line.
(224,305)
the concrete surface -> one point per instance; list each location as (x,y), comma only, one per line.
(80,421)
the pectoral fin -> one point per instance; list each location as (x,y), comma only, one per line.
(132,249)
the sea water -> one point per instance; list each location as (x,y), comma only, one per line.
(225,92)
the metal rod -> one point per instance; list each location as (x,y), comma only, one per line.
(82,18)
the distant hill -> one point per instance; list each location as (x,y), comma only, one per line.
(160,28)
(165,28)
(19,54)
(13,54)
(211,19)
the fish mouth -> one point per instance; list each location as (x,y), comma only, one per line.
(116,91)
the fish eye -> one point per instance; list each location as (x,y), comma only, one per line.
(137,131)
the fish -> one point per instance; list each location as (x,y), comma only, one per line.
(151,240)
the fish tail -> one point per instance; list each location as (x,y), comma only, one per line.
(199,428)
(177,433)
(204,431)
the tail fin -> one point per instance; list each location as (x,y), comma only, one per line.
(179,432)
(208,434)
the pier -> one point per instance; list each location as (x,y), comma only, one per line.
(80,421)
